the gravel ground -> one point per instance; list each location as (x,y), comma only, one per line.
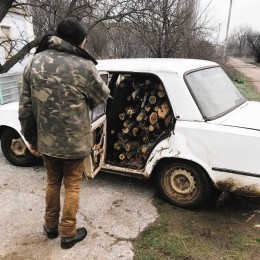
(114,209)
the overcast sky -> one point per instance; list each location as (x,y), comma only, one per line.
(244,12)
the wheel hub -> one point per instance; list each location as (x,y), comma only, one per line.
(182,181)
(18,147)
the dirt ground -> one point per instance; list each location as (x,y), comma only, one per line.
(113,209)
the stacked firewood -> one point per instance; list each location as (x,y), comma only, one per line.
(144,118)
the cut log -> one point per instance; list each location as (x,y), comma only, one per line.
(143,126)
(163,110)
(140,116)
(129,155)
(132,110)
(127,122)
(168,120)
(154,127)
(160,87)
(122,116)
(128,128)
(151,128)
(136,94)
(131,146)
(145,148)
(161,93)
(159,103)
(146,94)
(148,107)
(122,156)
(118,146)
(122,138)
(153,118)
(152,100)
(136,131)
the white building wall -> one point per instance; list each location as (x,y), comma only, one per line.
(22,29)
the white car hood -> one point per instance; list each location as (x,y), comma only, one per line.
(246,116)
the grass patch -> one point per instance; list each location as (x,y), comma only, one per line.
(247,90)
(242,84)
(212,233)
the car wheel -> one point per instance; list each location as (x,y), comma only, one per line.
(184,184)
(15,150)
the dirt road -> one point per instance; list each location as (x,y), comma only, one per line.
(252,72)
(114,210)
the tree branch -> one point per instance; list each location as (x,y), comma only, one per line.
(19,55)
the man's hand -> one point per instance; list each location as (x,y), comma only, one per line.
(34,149)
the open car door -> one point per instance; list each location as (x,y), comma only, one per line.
(95,161)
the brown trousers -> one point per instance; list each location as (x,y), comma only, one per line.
(70,171)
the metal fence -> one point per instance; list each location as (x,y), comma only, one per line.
(9,88)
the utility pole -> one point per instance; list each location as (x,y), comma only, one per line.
(226,39)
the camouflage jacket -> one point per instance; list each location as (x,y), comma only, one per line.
(57,90)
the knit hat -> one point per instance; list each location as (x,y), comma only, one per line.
(70,30)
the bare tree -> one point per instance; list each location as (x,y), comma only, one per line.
(253,39)
(47,13)
(122,28)
(237,43)
(171,28)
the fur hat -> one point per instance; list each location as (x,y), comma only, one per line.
(70,30)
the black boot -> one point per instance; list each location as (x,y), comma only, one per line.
(51,232)
(68,242)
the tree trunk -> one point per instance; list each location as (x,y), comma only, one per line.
(5,5)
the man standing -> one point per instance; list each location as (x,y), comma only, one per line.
(60,84)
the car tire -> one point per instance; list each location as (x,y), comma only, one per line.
(15,150)
(184,184)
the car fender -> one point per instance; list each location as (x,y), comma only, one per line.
(9,118)
(175,147)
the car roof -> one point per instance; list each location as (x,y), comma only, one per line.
(179,66)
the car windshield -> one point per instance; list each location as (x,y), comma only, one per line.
(214,92)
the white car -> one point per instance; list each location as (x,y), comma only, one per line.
(180,120)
